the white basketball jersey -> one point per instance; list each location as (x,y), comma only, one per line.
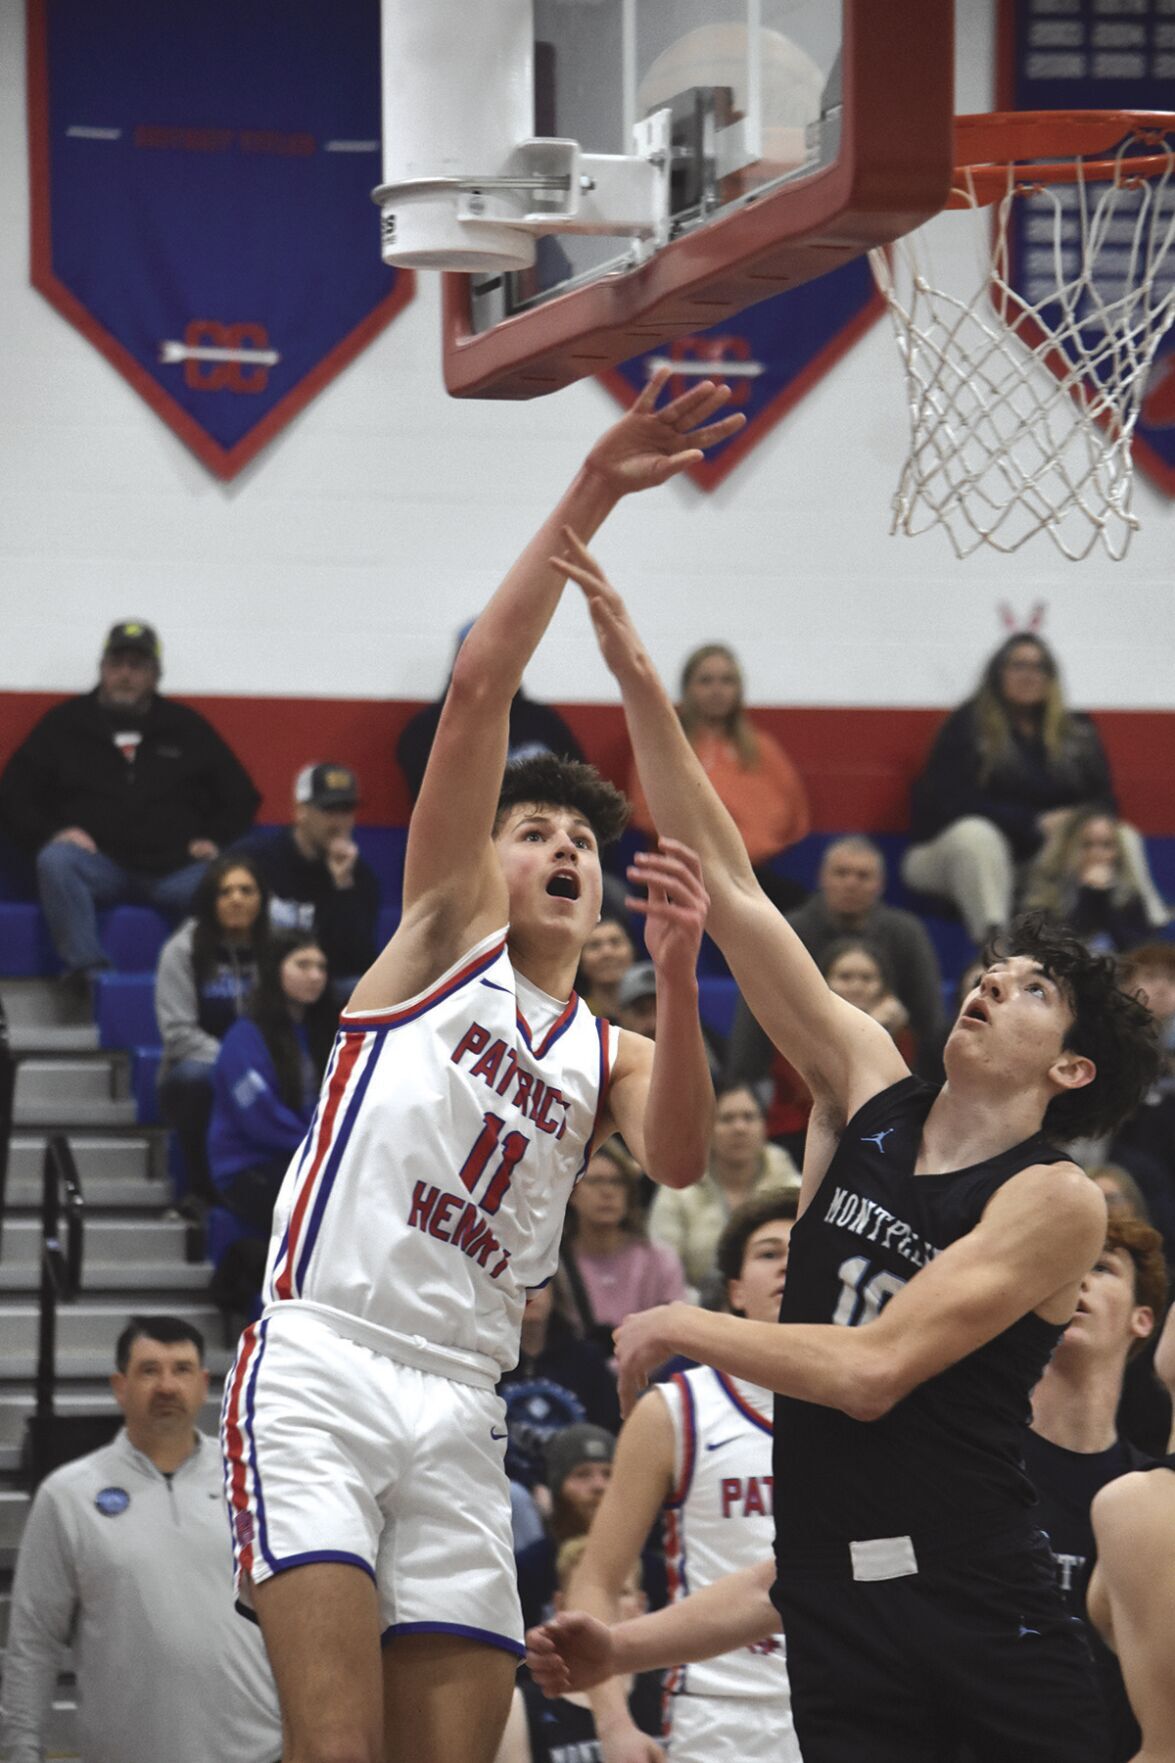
(430,1190)
(720,1517)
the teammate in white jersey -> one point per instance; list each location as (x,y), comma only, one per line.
(699,1447)
(364,1442)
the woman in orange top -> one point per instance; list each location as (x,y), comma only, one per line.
(759,785)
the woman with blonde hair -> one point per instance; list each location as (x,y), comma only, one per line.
(1003,770)
(759,786)
(1085,876)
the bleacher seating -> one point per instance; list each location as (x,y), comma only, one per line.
(124,1009)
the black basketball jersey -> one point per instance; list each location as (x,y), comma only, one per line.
(1066,1482)
(944,1467)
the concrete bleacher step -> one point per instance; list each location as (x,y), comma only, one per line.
(153,1242)
(120,1255)
(56,1038)
(86,1332)
(42,1003)
(124,1194)
(159,1281)
(108,1166)
(52,1083)
(102,1113)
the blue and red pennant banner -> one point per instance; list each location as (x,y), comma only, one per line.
(201,211)
(1097,55)
(769,355)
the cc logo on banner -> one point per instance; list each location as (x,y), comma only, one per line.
(218,357)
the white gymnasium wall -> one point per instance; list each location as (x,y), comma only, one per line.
(343,559)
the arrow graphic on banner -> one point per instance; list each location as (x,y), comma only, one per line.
(173,352)
(715,369)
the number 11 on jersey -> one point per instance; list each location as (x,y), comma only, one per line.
(513,1148)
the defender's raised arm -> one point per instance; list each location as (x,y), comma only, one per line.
(843,1054)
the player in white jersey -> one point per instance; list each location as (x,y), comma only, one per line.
(699,1448)
(363,1439)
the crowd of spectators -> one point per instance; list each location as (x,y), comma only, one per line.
(124,795)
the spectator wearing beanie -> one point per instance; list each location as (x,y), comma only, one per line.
(579,1468)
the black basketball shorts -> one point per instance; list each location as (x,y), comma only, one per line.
(968,1660)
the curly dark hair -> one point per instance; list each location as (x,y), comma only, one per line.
(565,783)
(746,1219)
(1110,1027)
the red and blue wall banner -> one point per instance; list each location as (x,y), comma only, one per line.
(201,174)
(1096,55)
(769,355)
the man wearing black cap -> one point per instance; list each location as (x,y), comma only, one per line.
(317,880)
(121,795)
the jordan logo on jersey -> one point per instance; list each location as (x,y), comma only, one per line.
(878,1138)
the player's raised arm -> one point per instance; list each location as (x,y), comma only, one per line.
(843,1054)
(453,891)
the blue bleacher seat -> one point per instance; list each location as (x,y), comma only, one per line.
(124,1009)
(25,949)
(132,936)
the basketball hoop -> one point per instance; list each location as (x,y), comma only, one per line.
(1023,399)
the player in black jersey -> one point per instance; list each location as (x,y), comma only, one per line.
(1132,1593)
(1073,1448)
(939,1253)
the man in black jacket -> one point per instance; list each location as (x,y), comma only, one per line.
(121,795)
(317,880)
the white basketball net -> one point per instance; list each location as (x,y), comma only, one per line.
(1023,401)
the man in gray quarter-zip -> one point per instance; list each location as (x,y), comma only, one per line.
(126,1557)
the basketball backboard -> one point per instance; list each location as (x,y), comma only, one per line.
(802,132)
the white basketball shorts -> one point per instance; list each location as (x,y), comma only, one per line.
(334,1452)
(731,1729)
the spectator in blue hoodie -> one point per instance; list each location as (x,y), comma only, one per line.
(267,1077)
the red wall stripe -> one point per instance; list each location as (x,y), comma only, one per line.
(857,762)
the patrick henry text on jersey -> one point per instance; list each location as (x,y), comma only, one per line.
(535,1101)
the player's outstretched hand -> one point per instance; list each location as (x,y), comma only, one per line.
(643,1341)
(676,907)
(616,634)
(649,445)
(571,1652)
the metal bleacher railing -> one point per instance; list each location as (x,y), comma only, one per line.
(61,1280)
(7,1091)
